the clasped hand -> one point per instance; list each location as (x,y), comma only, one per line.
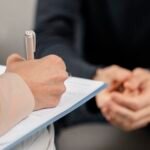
(126,101)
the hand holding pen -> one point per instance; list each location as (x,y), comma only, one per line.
(44,77)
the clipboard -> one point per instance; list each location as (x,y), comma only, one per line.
(78,92)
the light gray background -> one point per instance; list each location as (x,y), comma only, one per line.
(16,16)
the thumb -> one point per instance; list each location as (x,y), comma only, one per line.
(14,58)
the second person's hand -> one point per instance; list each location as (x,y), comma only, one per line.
(114,76)
(131,111)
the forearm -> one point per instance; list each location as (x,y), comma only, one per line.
(16,101)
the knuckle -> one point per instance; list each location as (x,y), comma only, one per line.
(56,77)
(62,89)
(58,59)
(138,70)
(54,101)
(58,91)
(132,119)
(114,66)
(61,76)
(54,58)
(64,76)
(135,106)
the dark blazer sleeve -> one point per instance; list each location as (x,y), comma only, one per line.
(56,24)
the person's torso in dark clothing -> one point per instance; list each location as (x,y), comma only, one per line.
(117,32)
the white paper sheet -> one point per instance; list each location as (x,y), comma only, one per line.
(2,69)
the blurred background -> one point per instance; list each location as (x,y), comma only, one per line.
(15,19)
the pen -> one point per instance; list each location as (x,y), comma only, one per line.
(30,44)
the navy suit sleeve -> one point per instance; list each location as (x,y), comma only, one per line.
(56,24)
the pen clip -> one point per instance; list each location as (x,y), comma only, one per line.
(34,40)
